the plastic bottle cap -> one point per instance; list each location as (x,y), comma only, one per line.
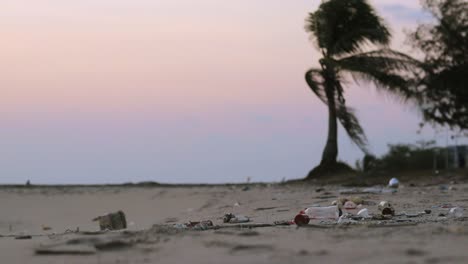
(301,219)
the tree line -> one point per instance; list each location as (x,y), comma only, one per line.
(353,40)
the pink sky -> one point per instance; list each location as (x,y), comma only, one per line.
(173,91)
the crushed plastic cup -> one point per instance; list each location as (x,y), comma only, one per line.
(364,213)
(456,212)
(393,183)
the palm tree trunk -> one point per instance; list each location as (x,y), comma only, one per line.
(330,151)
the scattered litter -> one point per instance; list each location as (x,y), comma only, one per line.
(456,212)
(301,219)
(349,205)
(318,212)
(393,183)
(346,219)
(357,200)
(386,208)
(364,213)
(112,221)
(201,225)
(231,218)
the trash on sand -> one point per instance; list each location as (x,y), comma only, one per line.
(456,212)
(112,221)
(346,219)
(386,208)
(364,213)
(301,219)
(393,183)
(199,225)
(340,201)
(317,212)
(202,225)
(231,218)
(349,205)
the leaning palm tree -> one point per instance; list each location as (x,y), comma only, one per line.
(344,31)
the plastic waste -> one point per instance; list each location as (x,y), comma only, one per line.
(364,213)
(456,212)
(328,212)
(346,219)
(349,205)
(201,225)
(386,208)
(393,183)
(231,218)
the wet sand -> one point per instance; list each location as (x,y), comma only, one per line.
(427,239)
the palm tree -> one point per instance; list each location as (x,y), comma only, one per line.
(344,31)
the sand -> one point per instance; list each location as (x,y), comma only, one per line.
(426,239)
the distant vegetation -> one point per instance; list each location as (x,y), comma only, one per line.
(404,157)
(443,85)
(343,31)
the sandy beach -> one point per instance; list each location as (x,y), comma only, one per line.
(430,238)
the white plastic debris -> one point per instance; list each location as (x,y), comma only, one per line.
(364,213)
(318,212)
(349,205)
(456,212)
(393,183)
(345,219)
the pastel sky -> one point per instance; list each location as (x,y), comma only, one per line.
(174,91)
